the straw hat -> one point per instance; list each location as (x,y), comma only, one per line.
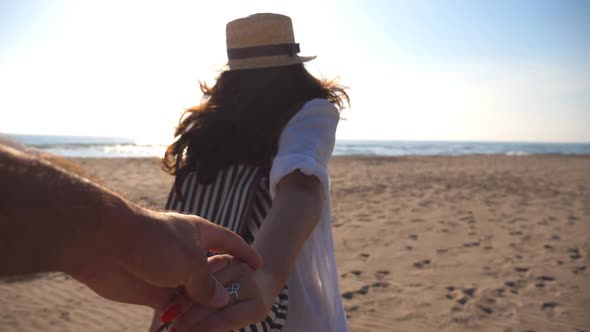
(262,41)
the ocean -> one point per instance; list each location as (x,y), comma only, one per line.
(113,147)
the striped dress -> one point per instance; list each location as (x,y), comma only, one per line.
(239,200)
(306,144)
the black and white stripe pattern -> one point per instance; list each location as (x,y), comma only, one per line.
(239,200)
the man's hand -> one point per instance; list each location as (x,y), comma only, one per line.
(163,251)
(54,220)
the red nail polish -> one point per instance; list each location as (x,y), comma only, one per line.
(173,330)
(171,313)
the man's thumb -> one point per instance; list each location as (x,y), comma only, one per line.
(206,290)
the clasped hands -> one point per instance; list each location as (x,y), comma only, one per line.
(251,304)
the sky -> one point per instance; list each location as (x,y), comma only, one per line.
(466,70)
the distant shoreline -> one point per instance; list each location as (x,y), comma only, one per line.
(371,157)
(78,146)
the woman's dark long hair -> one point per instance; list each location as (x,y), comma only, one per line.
(241,118)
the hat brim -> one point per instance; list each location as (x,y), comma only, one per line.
(267,62)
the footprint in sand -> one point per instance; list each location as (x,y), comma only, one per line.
(470,291)
(450,290)
(513,287)
(468,219)
(422,264)
(351,309)
(471,244)
(380,284)
(572,220)
(574,253)
(499,292)
(485,309)
(579,269)
(364,256)
(463,300)
(549,305)
(350,294)
(364,289)
(542,280)
(467,293)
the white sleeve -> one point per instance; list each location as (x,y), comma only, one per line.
(306,144)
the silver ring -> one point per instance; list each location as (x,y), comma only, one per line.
(233,289)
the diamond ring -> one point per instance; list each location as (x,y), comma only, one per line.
(233,289)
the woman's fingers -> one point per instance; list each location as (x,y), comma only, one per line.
(218,262)
(220,239)
(203,288)
(224,270)
(232,273)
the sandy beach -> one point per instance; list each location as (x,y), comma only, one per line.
(471,243)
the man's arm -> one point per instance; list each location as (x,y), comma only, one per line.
(44,212)
(53,220)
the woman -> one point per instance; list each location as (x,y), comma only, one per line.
(253,157)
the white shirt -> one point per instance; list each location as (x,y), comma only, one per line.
(306,144)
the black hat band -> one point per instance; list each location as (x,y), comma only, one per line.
(260,51)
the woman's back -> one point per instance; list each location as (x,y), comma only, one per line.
(253,157)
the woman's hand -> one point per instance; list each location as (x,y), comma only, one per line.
(255,296)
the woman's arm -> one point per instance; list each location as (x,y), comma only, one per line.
(295,212)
